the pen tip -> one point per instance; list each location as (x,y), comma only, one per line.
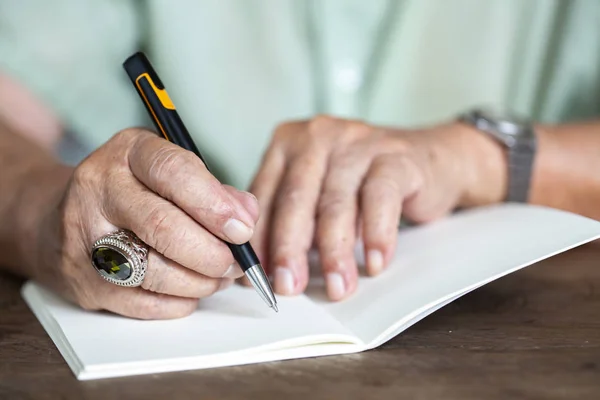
(275,308)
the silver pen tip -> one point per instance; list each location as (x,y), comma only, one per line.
(257,277)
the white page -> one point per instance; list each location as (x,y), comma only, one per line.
(232,327)
(437,263)
(434,265)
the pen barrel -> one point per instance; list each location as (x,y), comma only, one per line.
(158,103)
(169,124)
(244,254)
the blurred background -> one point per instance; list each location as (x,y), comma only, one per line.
(237,68)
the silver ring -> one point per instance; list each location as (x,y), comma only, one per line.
(120,258)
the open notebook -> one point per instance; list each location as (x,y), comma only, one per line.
(434,265)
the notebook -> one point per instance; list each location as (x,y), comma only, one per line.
(433,265)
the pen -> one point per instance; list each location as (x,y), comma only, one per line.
(167,121)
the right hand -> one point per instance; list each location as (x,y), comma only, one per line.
(168,198)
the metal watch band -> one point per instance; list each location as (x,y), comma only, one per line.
(518,137)
(520,167)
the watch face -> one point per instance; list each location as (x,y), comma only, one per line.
(508,123)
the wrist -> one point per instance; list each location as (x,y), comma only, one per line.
(485,167)
(560,169)
(35,215)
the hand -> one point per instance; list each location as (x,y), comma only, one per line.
(167,197)
(328,181)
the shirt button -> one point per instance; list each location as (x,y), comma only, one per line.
(347,77)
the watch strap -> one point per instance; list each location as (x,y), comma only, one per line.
(520,169)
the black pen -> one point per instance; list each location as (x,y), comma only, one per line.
(167,121)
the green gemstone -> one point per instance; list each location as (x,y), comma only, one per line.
(111,263)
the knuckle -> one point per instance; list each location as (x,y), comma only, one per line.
(357,130)
(108,160)
(386,170)
(346,158)
(160,232)
(165,162)
(320,123)
(291,195)
(85,174)
(295,181)
(154,283)
(390,143)
(129,139)
(129,134)
(283,128)
(284,132)
(169,162)
(414,175)
(381,183)
(332,203)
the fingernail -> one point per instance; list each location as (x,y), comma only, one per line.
(236,231)
(225,283)
(374,262)
(234,271)
(284,281)
(336,288)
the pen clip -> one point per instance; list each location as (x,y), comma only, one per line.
(162,94)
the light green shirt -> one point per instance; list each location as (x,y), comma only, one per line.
(237,68)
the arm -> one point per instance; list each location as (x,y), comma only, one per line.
(567,174)
(29,174)
(22,112)
(566,171)
(320,177)
(51,214)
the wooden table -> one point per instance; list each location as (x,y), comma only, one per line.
(532,334)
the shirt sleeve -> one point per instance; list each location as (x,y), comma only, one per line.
(69,53)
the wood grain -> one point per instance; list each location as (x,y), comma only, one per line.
(534,334)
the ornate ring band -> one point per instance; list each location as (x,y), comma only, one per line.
(120,258)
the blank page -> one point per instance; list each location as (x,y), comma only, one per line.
(226,329)
(438,262)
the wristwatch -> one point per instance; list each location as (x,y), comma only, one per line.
(518,136)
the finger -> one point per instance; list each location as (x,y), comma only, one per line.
(246,199)
(244,281)
(249,201)
(336,220)
(294,208)
(143,304)
(390,180)
(264,186)
(181,177)
(167,277)
(166,228)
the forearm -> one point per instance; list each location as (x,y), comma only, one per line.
(22,112)
(566,170)
(30,180)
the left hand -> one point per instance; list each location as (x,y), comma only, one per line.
(329,181)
